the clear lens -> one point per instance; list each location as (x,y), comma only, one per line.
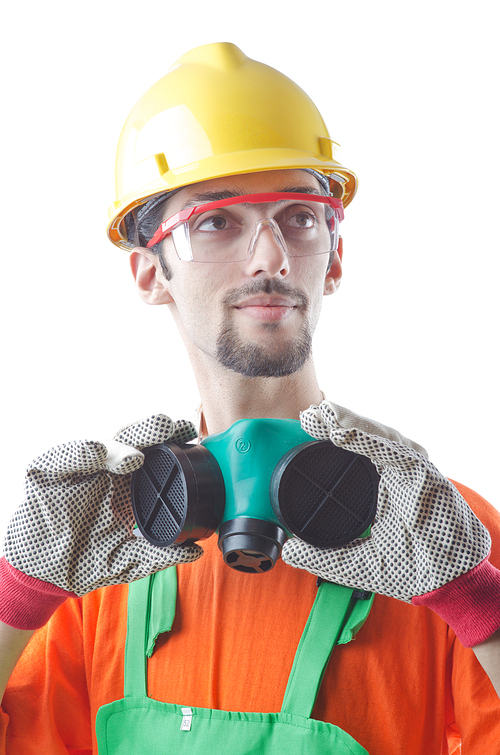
(231,233)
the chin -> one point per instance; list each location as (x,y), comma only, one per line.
(253,359)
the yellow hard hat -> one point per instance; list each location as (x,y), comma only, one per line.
(218,113)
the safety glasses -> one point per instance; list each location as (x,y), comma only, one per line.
(228,230)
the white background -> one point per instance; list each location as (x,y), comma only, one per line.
(411,93)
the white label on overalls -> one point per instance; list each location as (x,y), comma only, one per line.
(187,717)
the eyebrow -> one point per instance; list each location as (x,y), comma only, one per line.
(216,196)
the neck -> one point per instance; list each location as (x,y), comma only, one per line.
(227,396)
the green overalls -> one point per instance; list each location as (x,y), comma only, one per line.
(139,725)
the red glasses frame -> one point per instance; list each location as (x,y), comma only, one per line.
(184,215)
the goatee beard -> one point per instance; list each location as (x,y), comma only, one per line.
(252,359)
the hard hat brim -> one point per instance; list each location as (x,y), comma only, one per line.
(235,163)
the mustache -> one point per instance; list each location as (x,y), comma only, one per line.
(268,286)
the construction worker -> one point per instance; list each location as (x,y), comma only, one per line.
(230,202)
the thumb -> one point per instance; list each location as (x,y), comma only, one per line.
(122,459)
(143,558)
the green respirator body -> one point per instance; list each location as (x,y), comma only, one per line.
(257,484)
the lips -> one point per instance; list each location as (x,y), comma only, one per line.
(265,307)
(266,301)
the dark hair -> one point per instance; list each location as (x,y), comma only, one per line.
(143,222)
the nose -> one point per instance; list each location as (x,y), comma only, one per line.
(267,251)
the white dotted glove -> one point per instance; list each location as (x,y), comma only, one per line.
(74,532)
(424,537)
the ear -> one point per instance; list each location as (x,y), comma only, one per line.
(334,274)
(150,281)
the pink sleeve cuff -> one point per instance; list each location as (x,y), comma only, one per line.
(27,602)
(470,604)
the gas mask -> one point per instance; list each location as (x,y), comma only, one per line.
(257,484)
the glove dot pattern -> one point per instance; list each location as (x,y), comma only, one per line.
(75,526)
(424,535)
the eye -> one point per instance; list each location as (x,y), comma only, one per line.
(302,220)
(213,224)
(296,217)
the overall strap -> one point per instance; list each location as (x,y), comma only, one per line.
(146,619)
(151,611)
(328,616)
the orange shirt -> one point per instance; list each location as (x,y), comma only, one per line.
(404,686)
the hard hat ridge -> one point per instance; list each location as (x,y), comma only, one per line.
(218,113)
(222,55)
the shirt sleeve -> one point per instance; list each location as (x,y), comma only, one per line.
(46,707)
(476,706)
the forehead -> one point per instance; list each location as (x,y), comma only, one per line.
(247,183)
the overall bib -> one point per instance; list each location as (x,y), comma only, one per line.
(139,725)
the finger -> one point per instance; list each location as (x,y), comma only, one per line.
(321,423)
(137,558)
(86,457)
(180,553)
(183,432)
(325,563)
(313,423)
(337,416)
(359,564)
(382,445)
(148,432)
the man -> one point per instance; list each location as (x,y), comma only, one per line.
(230,200)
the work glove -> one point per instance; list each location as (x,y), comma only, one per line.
(74,532)
(426,546)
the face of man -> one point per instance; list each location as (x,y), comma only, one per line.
(256,316)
